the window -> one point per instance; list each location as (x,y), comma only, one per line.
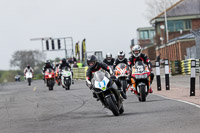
(144,34)
(152,34)
(170,26)
(178,25)
(188,24)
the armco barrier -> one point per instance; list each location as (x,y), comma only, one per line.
(80,73)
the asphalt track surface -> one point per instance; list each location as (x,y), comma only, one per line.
(34,109)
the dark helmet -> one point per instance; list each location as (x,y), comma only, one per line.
(63,60)
(47,63)
(91,61)
(28,66)
(121,56)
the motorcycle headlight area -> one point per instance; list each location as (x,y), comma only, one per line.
(144,76)
(101,86)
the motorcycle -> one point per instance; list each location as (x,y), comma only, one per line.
(107,92)
(66,78)
(49,78)
(29,77)
(58,81)
(121,73)
(140,80)
(17,78)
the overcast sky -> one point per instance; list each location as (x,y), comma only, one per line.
(107,25)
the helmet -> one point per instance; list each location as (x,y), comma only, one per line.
(121,56)
(47,63)
(63,60)
(136,50)
(109,57)
(28,66)
(92,61)
(57,64)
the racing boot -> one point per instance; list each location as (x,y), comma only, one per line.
(121,91)
(95,96)
(150,90)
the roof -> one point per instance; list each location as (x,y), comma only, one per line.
(182,8)
(186,36)
(145,28)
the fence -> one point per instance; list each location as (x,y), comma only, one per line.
(80,73)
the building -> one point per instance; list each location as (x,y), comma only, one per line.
(182,18)
(146,41)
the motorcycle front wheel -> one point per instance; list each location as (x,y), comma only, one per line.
(142,97)
(111,105)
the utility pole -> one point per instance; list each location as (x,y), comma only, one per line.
(166,25)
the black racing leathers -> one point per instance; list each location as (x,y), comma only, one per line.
(97,68)
(47,67)
(142,57)
(64,64)
(145,59)
(117,61)
(109,63)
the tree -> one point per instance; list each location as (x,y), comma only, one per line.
(22,58)
(155,7)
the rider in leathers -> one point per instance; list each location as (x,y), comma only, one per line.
(120,59)
(93,66)
(109,60)
(63,64)
(28,69)
(138,56)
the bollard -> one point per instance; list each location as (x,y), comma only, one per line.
(158,76)
(167,74)
(192,79)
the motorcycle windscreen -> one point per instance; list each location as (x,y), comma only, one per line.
(139,67)
(99,76)
(121,65)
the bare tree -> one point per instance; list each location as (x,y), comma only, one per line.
(22,58)
(155,7)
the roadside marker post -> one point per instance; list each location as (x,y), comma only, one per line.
(192,78)
(167,83)
(158,75)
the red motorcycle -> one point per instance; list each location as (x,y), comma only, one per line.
(140,80)
(49,78)
(121,73)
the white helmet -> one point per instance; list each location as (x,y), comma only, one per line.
(121,56)
(109,57)
(136,50)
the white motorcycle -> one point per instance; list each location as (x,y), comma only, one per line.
(107,92)
(66,78)
(29,77)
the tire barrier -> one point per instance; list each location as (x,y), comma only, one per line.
(186,66)
(80,73)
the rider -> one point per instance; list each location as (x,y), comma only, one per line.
(109,60)
(93,66)
(28,69)
(137,55)
(47,66)
(120,59)
(64,63)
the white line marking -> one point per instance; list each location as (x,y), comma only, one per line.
(196,105)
